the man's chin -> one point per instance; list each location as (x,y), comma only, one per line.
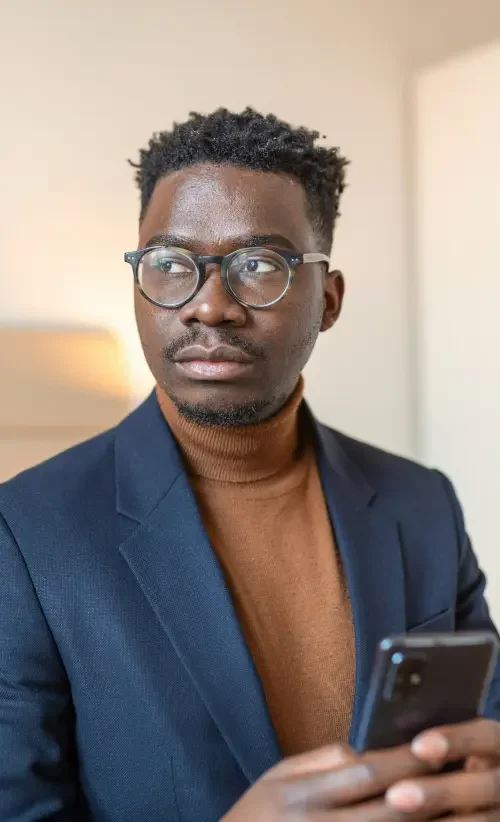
(223,412)
(227,415)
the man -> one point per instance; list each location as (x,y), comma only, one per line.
(190,603)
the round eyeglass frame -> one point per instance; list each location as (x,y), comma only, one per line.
(291,259)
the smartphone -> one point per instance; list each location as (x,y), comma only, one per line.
(423,681)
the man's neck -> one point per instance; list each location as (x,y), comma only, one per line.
(238,453)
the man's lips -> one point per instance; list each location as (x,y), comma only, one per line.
(220,363)
(222,353)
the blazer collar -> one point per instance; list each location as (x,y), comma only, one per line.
(148,460)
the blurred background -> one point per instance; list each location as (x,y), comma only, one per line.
(409,90)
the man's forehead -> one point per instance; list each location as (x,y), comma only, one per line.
(211,203)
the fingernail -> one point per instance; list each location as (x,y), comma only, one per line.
(430,746)
(339,756)
(405,797)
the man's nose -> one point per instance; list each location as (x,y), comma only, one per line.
(213,305)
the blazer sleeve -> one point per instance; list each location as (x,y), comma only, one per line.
(472,613)
(38,774)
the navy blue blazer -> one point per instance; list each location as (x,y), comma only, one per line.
(126,689)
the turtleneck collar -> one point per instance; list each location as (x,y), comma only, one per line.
(242,454)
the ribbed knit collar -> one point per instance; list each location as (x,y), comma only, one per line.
(242,454)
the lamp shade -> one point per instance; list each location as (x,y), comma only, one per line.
(58,387)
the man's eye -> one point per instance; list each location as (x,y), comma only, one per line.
(171,267)
(258,266)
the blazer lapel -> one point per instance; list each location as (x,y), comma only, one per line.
(173,562)
(176,568)
(369,543)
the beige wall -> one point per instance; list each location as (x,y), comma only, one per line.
(85,84)
(440,29)
(458,135)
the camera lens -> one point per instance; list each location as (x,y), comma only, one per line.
(405,676)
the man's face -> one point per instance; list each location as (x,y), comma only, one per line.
(214,210)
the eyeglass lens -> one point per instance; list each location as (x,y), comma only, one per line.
(255,276)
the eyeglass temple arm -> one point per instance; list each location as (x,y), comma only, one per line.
(315,258)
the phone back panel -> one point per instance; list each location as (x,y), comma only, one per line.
(454,676)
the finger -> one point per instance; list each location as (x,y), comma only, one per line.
(485,816)
(323,759)
(455,742)
(370,776)
(373,811)
(459,792)
(481,763)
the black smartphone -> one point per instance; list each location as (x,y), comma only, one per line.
(423,681)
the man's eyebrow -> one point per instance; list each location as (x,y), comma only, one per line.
(277,240)
(247,241)
(168,240)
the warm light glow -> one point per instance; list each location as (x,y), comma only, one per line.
(62,378)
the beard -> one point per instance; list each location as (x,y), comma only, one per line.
(230,416)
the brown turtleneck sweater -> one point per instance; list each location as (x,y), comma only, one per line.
(260,497)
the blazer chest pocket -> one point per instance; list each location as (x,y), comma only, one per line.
(439,623)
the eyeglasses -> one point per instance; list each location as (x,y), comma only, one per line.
(254,277)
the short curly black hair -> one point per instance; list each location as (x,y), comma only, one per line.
(249,140)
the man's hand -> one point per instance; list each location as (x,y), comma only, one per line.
(385,786)
(332,783)
(471,794)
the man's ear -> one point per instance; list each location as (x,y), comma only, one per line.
(333,298)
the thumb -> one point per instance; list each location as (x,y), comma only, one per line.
(318,761)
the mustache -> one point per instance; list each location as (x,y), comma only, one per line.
(223,336)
